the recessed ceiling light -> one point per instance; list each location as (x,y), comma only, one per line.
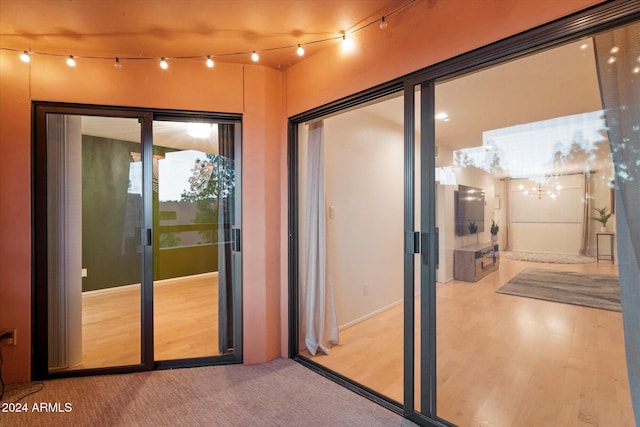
(199,130)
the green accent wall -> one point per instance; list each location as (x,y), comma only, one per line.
(111,219)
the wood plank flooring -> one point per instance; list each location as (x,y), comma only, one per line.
(503,360)
(185,322)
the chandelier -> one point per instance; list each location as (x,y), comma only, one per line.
(541,191)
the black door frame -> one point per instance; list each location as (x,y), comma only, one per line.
(39,300)
(585,23)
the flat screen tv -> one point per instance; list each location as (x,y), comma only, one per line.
(469,207)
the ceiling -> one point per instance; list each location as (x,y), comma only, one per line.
(178,28)
(554,83)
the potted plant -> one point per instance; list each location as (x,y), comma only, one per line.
(603,217)
(494,231)
(473,227)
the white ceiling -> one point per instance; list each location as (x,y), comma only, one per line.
(555,83)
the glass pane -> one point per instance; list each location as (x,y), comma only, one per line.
(94,254)
(193,199)
(529,329)
(351,222)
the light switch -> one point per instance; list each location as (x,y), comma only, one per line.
(84,272)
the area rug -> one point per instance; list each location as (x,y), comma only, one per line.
(568,287)
(550,258)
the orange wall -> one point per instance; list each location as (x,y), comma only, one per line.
(185,85)
(261,201)
(423,34)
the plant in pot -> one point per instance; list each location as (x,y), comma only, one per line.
(602,217)
(494,231)
(473,228)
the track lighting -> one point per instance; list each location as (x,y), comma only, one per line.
(117,64)
(163,64)
(209,61)
(24,57)
(300,51)
(255,57)
(70,61)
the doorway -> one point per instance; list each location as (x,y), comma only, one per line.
(484,184)
(137,237)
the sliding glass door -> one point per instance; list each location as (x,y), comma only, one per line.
(519,237)
(137,240)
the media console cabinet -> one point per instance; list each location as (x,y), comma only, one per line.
(472,263)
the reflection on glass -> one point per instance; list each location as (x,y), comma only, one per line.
(192,197)
(519,337)
(94,249)
(351,171)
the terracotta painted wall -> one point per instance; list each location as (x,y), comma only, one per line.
(252,90)
(423,34)
(261,166)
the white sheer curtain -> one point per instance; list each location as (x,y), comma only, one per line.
(64,188)
(319,313)
(620,89)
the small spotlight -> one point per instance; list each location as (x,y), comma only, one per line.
(300,51)
(163,64)
(209,61)
(24,57)
(70,61)
(255,57)
(117,64)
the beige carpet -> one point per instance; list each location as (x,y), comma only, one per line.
(279,393)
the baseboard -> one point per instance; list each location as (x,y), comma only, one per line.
(369,315)
(124,288)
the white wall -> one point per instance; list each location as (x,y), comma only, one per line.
(364,179)
(555,226)
(364,186)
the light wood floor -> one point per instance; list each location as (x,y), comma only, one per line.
(185,322)
(503,360)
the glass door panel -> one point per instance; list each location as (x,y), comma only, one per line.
(193,206)
(94,204)
(521,170)
(351,244)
